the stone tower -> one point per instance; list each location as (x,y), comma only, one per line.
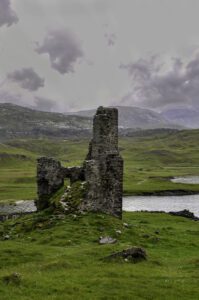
(104,166)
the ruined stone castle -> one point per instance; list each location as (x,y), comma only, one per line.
(102,170)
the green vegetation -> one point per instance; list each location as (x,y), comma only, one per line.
(17,173)
(151,159)
(73,196)
(54,256)
(57,257)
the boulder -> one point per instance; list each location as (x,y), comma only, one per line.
(134,254)
(107,240)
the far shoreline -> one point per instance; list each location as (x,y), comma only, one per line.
(178,192)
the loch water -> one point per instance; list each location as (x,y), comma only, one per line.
(162,203)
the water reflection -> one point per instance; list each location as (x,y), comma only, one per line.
(186,180)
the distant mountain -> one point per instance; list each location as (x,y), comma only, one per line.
(21,122)
(187,117)
(136,118)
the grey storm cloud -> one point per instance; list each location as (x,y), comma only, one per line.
(45,104)
(153,85)
(7,14)
(27,78)
(31,101)
(63,49)
(110,38)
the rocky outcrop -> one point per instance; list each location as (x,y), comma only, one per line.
(134,254)
(102,170)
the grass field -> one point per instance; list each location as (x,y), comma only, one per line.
(150,160)
(61,259)
(58,257)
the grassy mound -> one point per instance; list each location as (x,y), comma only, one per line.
(58,257)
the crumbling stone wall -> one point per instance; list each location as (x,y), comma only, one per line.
(102,170)
(74,174)
(49,180)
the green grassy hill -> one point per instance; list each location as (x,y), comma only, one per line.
(150,158)
(58,257)
(55,256)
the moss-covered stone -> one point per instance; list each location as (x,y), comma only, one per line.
(69,199)
(74,196)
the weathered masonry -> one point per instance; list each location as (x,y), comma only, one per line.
(103,166)
(102,169)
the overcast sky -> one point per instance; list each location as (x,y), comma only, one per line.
(65,55)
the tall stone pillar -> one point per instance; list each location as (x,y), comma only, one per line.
(104,165)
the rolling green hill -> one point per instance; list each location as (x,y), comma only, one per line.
(151,158)
(55,256)
(58,257)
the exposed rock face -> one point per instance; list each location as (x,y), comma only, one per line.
(49,180)
(104,166)
(102,169)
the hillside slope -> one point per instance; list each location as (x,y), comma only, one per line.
(59,257)
(22,122)
(150,160)
(17,121)
(188,117)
